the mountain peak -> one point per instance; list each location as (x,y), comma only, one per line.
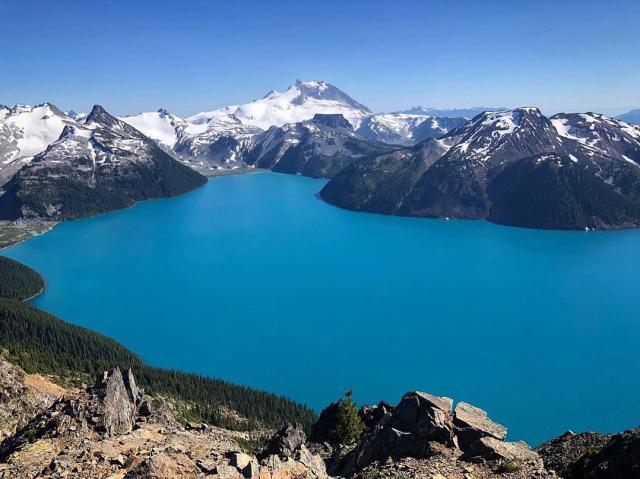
(321,90)
(100,115)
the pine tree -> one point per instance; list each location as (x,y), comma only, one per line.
(349,426)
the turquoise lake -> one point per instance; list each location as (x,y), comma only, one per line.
(253,279)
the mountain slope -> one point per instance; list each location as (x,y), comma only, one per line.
(101,165)
(320,147)
(515,167)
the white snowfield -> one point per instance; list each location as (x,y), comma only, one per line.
(158,125)
(27,130)
(299,102)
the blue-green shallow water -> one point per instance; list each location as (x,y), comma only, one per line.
(253,279)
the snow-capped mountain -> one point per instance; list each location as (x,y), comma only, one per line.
(320,147)
(217,142)
(405,129)
(632,116)
(300,102)
(26,131)
(163,127)
(95,166)
(515,167)
(219,138)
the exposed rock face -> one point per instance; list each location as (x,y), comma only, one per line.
(426,427)
(118,402)
(472,423)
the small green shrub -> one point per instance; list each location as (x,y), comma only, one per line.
(509,467)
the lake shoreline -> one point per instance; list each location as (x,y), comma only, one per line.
(269,235)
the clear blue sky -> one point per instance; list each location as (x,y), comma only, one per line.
(189,56)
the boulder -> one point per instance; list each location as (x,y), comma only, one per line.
(426,417)
(286,457)
(471,423)
(301,465)
(492,449)
(239,460)
(165,466)
(227,471)
(284,442)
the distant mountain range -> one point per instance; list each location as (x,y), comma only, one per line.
(509,166)
(632,116)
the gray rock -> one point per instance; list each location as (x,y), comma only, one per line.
(426,416)
(492,449)
(285,442)
(118,410)
(471,423)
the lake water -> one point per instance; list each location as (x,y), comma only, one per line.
(253,279)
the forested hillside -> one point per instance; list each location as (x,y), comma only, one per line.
(17,281)
(40,342)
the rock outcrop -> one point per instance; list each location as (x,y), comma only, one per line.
(423,427)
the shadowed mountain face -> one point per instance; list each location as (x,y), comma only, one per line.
(514,167)
(319,148)
(96,166)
